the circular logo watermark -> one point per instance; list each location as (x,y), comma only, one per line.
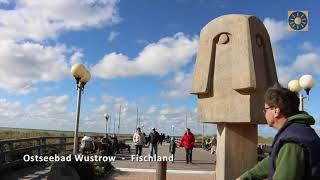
(298,20)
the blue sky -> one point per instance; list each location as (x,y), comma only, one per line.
(140,53)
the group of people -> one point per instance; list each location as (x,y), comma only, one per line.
(107,144)
(154,138)
(187,141)
(140,139)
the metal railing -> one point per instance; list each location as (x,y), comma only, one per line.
(12,150)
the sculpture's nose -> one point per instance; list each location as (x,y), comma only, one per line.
(243,66)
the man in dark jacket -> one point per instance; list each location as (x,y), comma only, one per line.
(295,148)
(153,140)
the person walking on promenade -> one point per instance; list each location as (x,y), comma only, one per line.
(172,147)
(187,141)
(161,139)
(295,148)
(153,140)
(213,143)
(138,140)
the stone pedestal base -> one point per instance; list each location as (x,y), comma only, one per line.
(236,149)
(161,170)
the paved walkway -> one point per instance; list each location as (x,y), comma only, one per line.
(125,175)
(202,160)
(203,166)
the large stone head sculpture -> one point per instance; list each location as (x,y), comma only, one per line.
(234,68)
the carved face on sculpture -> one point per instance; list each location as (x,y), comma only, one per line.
(233,70)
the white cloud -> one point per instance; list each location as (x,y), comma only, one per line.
(166,55)
(4,1)
(303,64)
(117,101)
(152,109)
(180,86)
(164,116)
(49,106)
(113,35)
(51,112)
(39,20)
(142,41)
(92,99)
(278,30)
(9,110)
(309,47)
(307,62)
(160,116)
(46,113)
(22,65)
(76,58)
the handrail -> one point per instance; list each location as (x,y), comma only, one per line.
(10,154)
(32,139)
(40,145)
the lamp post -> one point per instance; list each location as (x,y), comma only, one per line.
(172,130)
(110,120)
(186,121)
(82,76)
(137,125)
(306,82)
(107,116)
(119,121)
(114,127)
(202,135)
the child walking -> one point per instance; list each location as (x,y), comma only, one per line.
(172,147)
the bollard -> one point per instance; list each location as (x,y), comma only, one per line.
(9,155)
(2,155)
(43,145)
(161,170)
(62,144)
(39,146)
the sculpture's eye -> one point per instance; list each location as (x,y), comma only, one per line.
(259,40)
(223,38)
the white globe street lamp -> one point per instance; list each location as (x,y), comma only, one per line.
(306,82)
(82,77)
(78,71)
(294,86)
(106,116)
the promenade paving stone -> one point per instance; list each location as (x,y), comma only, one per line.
(151,176)
(202,161)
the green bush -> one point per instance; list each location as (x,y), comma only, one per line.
(102,168)
(90,170)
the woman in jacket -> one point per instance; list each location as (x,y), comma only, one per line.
(138,140)
(187,141)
